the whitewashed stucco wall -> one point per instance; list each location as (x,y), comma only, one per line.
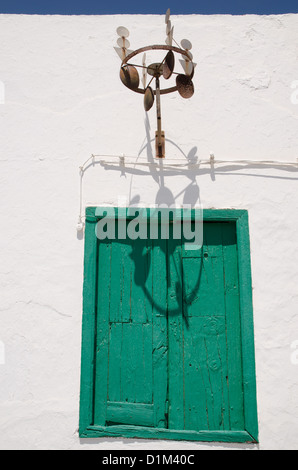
(64,101)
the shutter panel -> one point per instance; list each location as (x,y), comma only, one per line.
(205,376)
(131,338)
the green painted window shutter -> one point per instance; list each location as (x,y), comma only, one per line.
(167,346)
(205,380)
(131,341)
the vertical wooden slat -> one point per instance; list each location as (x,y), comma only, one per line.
(215,356)
(102,333)
(116,283)
(127,364)
(146,366)
(176,341)
(160,339)
(115,362)
(88,327)
(196,379)
(139,279)
(126,281)
(233,334)
(247,327)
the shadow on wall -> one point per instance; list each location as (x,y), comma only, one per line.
(159,169)
(191,168)
(164,196)
(137,259)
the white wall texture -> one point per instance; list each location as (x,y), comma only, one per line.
(63,102)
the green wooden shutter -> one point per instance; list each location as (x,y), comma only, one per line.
(205,375)
(168,336)
(131,342)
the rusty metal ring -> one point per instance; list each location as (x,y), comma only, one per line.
(152,48)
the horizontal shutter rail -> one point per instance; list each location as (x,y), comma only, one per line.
(138,414)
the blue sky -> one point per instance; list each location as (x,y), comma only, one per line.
(104,7)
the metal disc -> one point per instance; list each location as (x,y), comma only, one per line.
(167,17)
(168,65)
(123,43)
(122,31)
(169,38)
(130,77)
(148,98)
(186,44)
(169,27)
(155,70)
(185,86)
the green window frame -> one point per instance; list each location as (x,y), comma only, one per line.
(88,427)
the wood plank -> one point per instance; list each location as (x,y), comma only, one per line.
(116,282)
(138,337)
(130,413)
(247,339)
(176,341)
(215,348)
(203,293)
(128,371)
(205,369)
(152,433)
(102,333)
(146,366)
(126,281)
(136,363)
(196,402)
(115,361)
(160,330)
(234,377)
(88,325)
(140,307)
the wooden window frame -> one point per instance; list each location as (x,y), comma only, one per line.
(250,432)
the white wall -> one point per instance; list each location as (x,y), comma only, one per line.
(63,102)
